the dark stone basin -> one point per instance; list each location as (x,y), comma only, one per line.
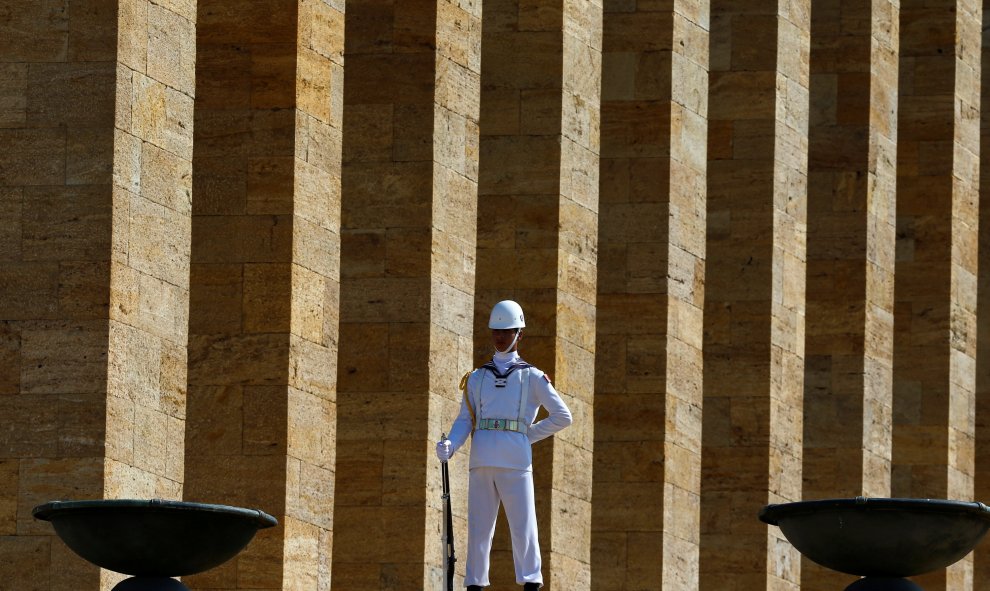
(153,538)
(881,537)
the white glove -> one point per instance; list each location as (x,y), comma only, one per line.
(444,450)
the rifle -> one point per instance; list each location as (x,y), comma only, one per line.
(448,531)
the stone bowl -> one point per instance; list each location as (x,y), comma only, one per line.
(875,537)
(153,538)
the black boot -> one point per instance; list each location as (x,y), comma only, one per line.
(531,587)
(474,588)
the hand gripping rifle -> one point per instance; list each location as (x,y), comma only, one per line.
(448,529)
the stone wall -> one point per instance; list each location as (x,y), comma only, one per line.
(249,247)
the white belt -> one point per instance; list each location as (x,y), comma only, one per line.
(501,425)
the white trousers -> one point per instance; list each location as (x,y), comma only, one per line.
(487,487)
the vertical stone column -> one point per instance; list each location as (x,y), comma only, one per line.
(851,241)
(937,217)
(648,367)
(407,267)
(94,259)
(755,290)
(265,281)
(981,481)
(537,241)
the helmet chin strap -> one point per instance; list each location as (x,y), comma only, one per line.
(512,344)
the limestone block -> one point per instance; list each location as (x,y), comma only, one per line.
(243,239)
(454,152)
(411,140)
(311,368)
(265,422)
(635,31)
(10,359)
(457,88)
(245,133)
(370,302)
(88,156)
(451,309)
(361,364)
(150,435)
(31,427)
(403,377)
(627,460)
(399,487)
(301,544)
(530,230)
(574,478)
(308,299)
(146,240)
(26,557)
(43,479)
(504,110)
(526,162)
(30,291)
(162,115)
(127,150)
(682,510)
(34,157)
(623,516)
(72,94)
(81,425)
(576,320)
(629,129)
(250,359)
(315,73)
(263,188)
(132,34)
(321,28)
(224,81)
(8,497)
(171,48)
(59,356)
(216,415)
(214,304)
(579,175)
(311,436)
(403,78)
(535,53)
(309,494)
(571,528)
(166,179)
(457,263)
(362,460)
(647,407)
(394,197)
(371,128)
(578,276)
(266,307)
(36,31)
(11,208)
(319,143)
(66,224)
(315,201)
(126,481)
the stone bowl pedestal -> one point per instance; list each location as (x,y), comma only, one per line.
(153,540)
(881,540)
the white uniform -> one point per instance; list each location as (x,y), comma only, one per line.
(501,464)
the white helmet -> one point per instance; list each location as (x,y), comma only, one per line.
(507,314)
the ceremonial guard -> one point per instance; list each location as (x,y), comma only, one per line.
(500,402)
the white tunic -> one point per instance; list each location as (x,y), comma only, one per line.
(508,449)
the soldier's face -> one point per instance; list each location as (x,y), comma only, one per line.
(502,338)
